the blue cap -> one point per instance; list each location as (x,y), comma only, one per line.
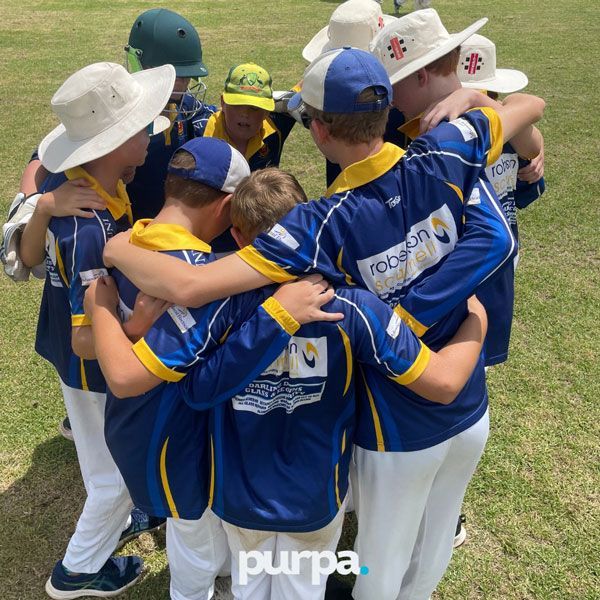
(218,165)
(334,80)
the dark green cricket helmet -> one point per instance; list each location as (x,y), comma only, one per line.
(160,36)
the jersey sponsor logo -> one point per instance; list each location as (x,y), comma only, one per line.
(393,328)
(466,129)
(280,233)
(426,243)
(108,227)
(295,378)
(91,275)
(182,317)
(391,202)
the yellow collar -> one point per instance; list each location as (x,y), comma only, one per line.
(163,236)
(366,170)
(215,127)
(412,128)
(117,206)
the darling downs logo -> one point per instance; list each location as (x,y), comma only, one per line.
(289,563)
(426,243)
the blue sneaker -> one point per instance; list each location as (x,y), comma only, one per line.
(140,523)
(117,574)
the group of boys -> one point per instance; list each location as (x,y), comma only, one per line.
(242,421)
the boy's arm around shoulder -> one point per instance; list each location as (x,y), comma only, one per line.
(382,340)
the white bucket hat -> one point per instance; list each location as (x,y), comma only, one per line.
(477,68)
(415,41)
(100,107)
(353,23)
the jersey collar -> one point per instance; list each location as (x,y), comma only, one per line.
(118,205)
(215,127)
(164,236)
(412,129)
(366,170)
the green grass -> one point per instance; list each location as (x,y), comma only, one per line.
(533,507)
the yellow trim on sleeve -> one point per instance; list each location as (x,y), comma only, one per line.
(165,481)
(417,327)
(211,489)
(60,264)
(264,266)
(80,321)
(337,472)
(84,383)
(341,268)
(376,421)
(416,369)
(224,336)
(153,363)
(458,191)
(496,134)
(282,316)
(349,362)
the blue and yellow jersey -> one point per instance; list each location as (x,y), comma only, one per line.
(147,188)
(498,294)
(74,248)
(159,443)
(282,446)
(394,223)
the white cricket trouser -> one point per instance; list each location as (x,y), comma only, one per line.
(108,504)
(407,504)
(263,586)
(197,550)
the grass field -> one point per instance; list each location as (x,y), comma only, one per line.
(533,507)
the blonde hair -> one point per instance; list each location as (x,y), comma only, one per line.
(191,193)
(261,199)
(447,64)
(358,127)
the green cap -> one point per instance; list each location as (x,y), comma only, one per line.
(249,85)
(160,37)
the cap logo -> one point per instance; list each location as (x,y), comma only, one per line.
(397,48)
(380,22)
(473,66)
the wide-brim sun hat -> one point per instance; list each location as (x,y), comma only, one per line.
(353,23)
(477,68)
(102,106)
(415,41)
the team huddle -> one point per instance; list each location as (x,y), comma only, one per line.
(248,365)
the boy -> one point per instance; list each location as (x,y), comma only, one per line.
(282,445)
(105,113)
(415,260)
(160,445)
(477,70)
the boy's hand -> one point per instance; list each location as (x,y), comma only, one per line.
(304,298)
(534,171)
(116,245)
(451,107)
(476,308)
(72,199)
(101,293)
(146,311)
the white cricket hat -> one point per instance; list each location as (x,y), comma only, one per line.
(477,68)
(100,107)
(415,41)
(353,23)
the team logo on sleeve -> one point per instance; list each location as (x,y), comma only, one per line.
(426,244)
(295,378)
(466,129)
(280,233)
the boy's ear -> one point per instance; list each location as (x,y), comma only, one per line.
(320,131)
(223,206)
(239,237)
(422,77)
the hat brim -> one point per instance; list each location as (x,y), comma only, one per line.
(505,81)
(197,69)
(59,153)
(247,100)
(321,42)
(455,40)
